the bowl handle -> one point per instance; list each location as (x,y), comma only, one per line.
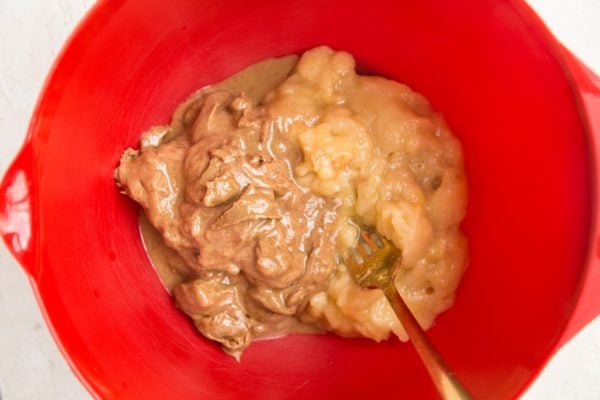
(17,204)
(588,305)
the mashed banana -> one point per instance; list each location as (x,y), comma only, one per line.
(259,199)
(377,145)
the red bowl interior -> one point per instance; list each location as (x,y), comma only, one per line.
(490,67)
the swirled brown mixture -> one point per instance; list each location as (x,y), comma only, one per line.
(250,199)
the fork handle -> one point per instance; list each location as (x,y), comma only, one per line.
(444,379)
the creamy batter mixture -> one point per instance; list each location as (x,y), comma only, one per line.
(254,193)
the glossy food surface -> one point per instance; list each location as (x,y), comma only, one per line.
(262,201)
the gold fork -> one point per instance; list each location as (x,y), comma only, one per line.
(374,265)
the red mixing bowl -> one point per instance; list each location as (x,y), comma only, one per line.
(528,115)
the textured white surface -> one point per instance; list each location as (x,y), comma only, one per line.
(31,367)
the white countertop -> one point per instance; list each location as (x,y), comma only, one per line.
(31,367)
